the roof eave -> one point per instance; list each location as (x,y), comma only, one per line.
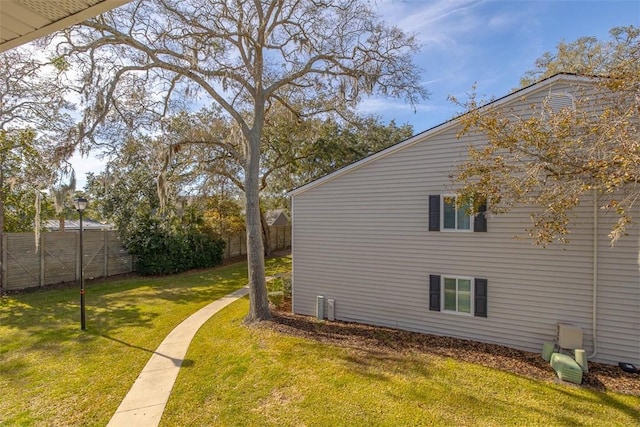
(63,23)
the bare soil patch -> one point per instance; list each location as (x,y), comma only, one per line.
(376,339)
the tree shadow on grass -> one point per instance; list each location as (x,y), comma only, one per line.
(184,363)
(380,365)
(199,294)
(598,398)
(45,323)
(369,348)
(52,315)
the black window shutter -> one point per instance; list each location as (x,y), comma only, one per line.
(434,292)
(480,298)
(434,213)
(480,220)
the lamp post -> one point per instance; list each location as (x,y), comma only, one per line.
(81,203)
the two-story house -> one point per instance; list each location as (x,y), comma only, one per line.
(381,240)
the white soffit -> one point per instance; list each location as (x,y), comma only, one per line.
(22,21)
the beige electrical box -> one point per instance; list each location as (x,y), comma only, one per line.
(569,336)
(331,309)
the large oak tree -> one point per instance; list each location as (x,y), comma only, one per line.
(245,56)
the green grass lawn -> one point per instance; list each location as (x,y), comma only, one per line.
(254,376)
(51,373)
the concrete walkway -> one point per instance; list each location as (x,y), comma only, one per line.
(144,403)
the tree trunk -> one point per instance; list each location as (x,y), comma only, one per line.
(2,248)
(266,234)
(258,301)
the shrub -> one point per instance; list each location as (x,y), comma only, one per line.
(161,249)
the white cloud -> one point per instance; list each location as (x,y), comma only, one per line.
(383,106)
(502,22)
(436,23)
(84,164)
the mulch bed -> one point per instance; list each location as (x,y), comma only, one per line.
(377,339)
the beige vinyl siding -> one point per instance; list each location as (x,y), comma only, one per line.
(619,293)
(362,239)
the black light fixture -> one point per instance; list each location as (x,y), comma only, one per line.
(81,203)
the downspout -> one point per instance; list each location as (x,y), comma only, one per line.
(595,275)
(293,269)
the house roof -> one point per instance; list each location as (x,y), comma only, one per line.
(22,21)
(564,77)
(71,224)
(277,217)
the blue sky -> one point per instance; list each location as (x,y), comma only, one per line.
(491,43)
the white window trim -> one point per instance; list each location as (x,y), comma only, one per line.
(472,295)
(453,230)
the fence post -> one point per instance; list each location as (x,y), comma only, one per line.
(105,267)
(42,259)
(4,267)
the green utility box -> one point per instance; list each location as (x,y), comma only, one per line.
(566,368)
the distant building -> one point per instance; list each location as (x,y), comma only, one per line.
(73,224)
(277,217)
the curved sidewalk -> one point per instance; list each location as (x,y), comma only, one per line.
(144,403)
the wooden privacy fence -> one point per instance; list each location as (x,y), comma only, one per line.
(58,258)
(280,238)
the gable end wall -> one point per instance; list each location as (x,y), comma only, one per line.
(362,239)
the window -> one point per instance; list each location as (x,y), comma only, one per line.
(443,215)
(457,294)
(455,217)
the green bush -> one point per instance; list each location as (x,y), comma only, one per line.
(162,249)
(204,250)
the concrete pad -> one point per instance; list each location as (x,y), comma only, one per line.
(144,403)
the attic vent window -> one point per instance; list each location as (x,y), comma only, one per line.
(557,101)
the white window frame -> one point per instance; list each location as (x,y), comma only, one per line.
(453,230)
(472,293)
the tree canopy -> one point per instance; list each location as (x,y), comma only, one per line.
(294,150)
(589,56)
(34,125)
(553,159)
(244,57)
